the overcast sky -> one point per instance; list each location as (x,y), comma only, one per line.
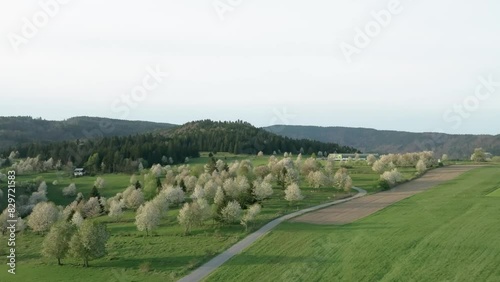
(265,62)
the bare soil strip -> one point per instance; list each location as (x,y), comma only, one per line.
(362,207)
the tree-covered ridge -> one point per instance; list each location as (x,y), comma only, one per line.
(125,154)
(242,138)
(22,130)
(113,154)
(386,141)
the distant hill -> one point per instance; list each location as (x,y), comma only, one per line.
(241,137)
(385,141)
(24,130)
(173,145)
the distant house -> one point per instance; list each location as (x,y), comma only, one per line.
(79,172)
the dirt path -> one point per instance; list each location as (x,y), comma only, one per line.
(359,208)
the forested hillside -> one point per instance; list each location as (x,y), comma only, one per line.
(385,141)
(241,137)
(125,153)
(22,130)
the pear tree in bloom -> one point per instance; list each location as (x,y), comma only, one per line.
(44,215)
(370,160)
(175,195)
(77,218)
(232,212)
(116,210)
(250,215)
(99,182)
(70,191)
(262,190)
(392,177)
(421,167)
(92,208)
(190,216)
(293,193)
(342,180)
(148,217)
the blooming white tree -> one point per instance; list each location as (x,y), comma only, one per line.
(293,193)
(421,167)
(444,158)
(116,209)
(161,202)
(317,179)
(231,188)
(77,218)
(134,198)
(157,170)
(379,166)
(148,217)
(479,155)
(91,208)
(260,154)
(203,179)
(70,190)
(219,196)
(190,182)
(175,195)
(198,193)
(250,215)
(342,180)
(99,182)
(205,210)
(261,171)
(245,168)
(262,190)
(370,160)
(210,189)
(189,216)
(232,212)
(48,164)
(392,177)
(3,221)
(220,165)
(310,164)
(44,215)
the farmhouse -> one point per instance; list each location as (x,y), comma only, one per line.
(79,172)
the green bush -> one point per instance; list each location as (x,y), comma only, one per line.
(384,184)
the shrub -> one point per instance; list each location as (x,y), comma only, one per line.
(384,184)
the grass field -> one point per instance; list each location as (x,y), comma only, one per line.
(448,233)
(166,256)
(495,193)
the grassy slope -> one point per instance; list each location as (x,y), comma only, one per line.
(169,253)
(449,233)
